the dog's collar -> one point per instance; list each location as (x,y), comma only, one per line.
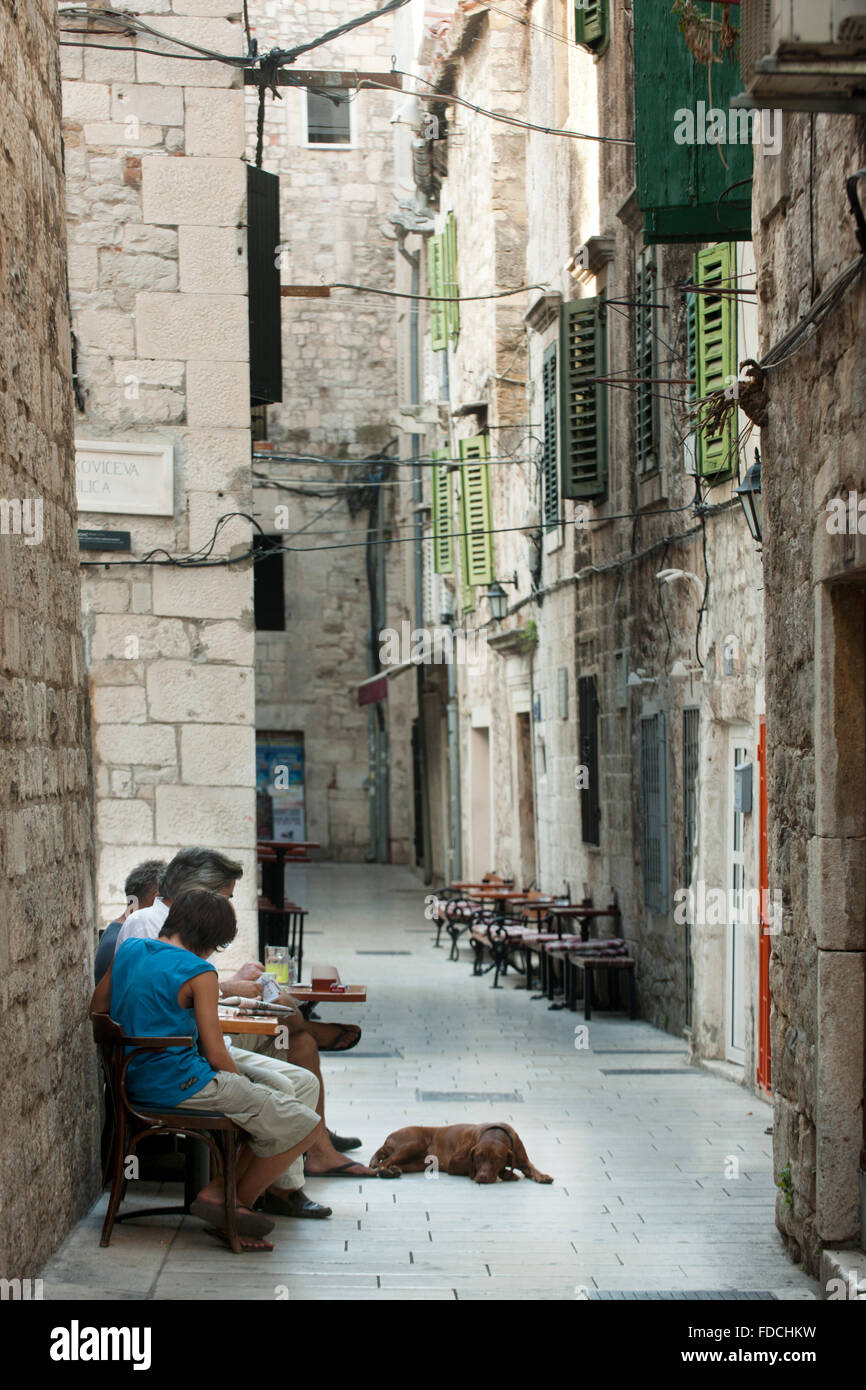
(503,1130)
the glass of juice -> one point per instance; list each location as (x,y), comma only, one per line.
(277,963)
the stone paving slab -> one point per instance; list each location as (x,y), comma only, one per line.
(643,1197)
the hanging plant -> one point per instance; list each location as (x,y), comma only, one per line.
(709,40)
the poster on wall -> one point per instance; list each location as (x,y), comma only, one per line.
(280,787)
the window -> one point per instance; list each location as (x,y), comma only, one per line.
(646,427)
(590,800)
(550,453)
(715,355)
(443,536)
(583,399)
(329,118)
(591,24)
(269,596)
(654,804)
(691,753)
(442,281)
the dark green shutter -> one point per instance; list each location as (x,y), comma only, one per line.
(591,24)
(716,355)
(583,400)
(550,453)
(685,191)
(590,799)
(477,515)
(645,339)
(443,536)
(452,310)
(436,286)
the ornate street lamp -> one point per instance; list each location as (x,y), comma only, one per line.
(498,600)
(749,493)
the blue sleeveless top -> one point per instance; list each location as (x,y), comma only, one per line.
(145,980)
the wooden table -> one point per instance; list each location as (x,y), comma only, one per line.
(266,1025)
(305,994)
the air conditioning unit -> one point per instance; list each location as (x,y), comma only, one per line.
(803,55)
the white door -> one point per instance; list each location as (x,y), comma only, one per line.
(735,943)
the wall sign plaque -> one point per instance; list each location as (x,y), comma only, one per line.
(124,478)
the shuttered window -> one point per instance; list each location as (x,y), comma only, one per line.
(467,592)
(591,24)
(436,286)
(263,240)
(590,800)
(477,516)
(716,355)
(449,260)
(443,535)
(654,808)
(646,422)
(583,400)
(550,452)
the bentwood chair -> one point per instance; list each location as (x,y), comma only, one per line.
(131,1125)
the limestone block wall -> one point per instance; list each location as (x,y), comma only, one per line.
(340,397)
(814,582)
(48,1101)
(157,217)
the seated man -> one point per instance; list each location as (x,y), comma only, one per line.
(198,868)
(140,890)
(167,988)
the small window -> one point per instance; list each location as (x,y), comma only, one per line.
(269,596)
(329,119)
(592,24)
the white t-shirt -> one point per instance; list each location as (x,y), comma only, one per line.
(146,921)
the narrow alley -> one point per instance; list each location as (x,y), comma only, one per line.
(662,1173)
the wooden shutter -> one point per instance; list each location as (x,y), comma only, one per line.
(550,453)
(467,592)
(590,24)
(590,800)
(263,276)
(477,514)
(691,354)
(452,310)
(645,338)
(654,806)
(435,286)
(716,355)
(443,535)
(583,400)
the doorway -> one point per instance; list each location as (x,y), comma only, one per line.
(481,826)
(735,931)
(525,802)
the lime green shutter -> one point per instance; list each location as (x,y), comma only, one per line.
(435,286)
(452,310)
(716,355)
(590,24)
(443,536)
(477,513)
(583,400)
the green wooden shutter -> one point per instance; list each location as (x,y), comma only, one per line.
(549,457)
(477,513)
(443,535)
(467,592)
(436,286)
(691,355)
(583,400)
(716,355)
(452,310)
(591,24)
(645,338)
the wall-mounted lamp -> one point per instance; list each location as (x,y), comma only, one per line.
(751,500)
(668,576)
(680,671)
(640,677)
(497,597)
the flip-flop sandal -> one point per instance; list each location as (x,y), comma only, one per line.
(263,1248)
(343,1145)
(347,1030)
(341,1172)
(248,1223)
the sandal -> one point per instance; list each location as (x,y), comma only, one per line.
(343,1171)
(250,1245)
(249,1223)
(348,1035)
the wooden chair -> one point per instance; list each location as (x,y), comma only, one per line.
(131,1125)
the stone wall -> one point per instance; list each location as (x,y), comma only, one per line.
(48,1111)
(340,396)
(804,236)
(157,213)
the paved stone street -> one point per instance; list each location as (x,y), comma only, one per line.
(643,1149)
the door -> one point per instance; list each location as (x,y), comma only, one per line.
(481,827)
(764,940)
(735,943)
(525,801)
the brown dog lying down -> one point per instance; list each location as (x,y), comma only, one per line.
(482,1152)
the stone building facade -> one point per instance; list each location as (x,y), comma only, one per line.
(340,402)
(678,658)
(48,1110)
(157,213)
(815,564)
